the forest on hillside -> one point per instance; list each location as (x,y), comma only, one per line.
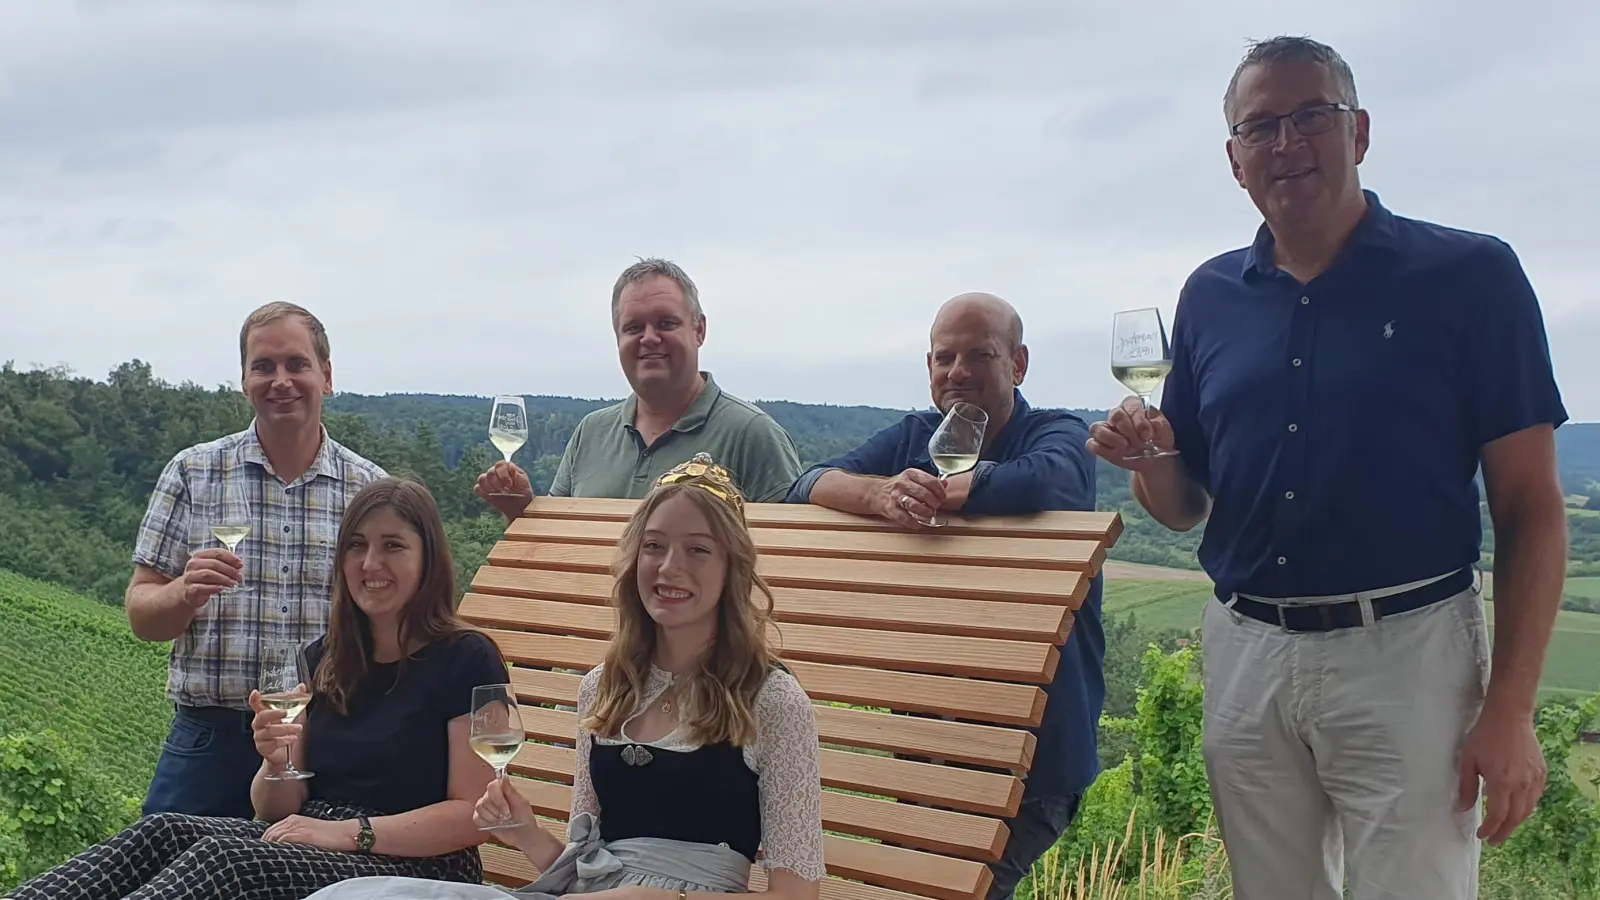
(79,456)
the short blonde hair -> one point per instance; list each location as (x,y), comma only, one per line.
(282,309)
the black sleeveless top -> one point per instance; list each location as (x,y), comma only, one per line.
(705,796)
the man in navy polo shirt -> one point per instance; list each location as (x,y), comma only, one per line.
(1335,387)
(1032,460)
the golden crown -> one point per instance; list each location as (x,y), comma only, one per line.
(702,472)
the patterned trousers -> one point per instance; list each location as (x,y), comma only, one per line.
(172,856)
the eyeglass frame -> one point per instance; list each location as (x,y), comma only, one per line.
(1277,122)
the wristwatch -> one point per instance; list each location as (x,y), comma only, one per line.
(364,837)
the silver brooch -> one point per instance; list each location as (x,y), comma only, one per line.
(635,755)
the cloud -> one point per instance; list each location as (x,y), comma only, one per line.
(454,192)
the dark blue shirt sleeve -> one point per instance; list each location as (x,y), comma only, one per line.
(1053,471)
(1180,403)
(1512,382)
(879,455)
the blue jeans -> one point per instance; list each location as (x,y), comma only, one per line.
(206,765)
(1038,824)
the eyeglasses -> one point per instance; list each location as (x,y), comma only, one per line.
(1307,121)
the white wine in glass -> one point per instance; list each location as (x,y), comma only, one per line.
(232,513)
(495,733)
(1141,357)
(283,675)
(508,429)
(956,443)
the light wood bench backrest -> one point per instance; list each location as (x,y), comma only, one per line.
(961,626)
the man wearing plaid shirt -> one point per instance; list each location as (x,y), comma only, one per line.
(217,607)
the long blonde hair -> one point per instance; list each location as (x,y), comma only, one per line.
(719,697)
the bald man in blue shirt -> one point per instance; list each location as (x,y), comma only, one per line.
(1032,460)
(1335,387)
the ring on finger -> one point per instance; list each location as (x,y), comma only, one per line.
(905,501)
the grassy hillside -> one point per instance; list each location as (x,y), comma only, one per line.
(71,664)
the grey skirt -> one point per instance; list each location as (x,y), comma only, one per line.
(587,865)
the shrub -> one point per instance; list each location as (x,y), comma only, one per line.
(52,805)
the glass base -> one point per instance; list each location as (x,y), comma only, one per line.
(289,775)
(1151,452)
(499,826)
(504,494)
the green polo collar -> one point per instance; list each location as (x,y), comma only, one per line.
(692,419)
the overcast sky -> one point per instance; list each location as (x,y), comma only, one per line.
(453,186)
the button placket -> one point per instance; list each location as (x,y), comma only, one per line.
(1300,345)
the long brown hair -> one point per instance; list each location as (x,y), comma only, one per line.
(719,697)
(429,616)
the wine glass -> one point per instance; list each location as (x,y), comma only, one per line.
(956,443)
(508,429)
(232,511)
(495,733)
(284,674)
(1141,359)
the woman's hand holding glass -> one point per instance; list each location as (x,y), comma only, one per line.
(274,737)
(502,802)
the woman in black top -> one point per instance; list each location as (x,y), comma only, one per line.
(385,735)
(695,747)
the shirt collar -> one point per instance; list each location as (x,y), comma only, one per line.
(1375,231)
(252,451)
(1019,411)
(693,417)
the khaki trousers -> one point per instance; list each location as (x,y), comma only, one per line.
(1336,753)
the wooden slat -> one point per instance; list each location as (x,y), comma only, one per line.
(963,835)
(967,790)
(1034,663)
(855,609)
(923,874)
(930,579)
(959,698)
(898,546)
(1105,527)
(509,868)
(984,745)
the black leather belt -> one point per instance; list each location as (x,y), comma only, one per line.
(220,717)
(1347,613)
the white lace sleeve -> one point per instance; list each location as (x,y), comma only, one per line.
(790,778)
(583,796)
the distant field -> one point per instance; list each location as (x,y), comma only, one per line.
(1127,571)
(1176,598)
(1588,586)
(1169,603)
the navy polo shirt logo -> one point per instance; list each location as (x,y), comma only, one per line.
(1388,329)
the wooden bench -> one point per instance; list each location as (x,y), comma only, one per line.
(960,627)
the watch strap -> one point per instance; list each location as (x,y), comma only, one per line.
(364,836)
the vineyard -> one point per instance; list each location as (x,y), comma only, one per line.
(71,664)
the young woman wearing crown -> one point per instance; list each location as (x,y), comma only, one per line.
(695,746)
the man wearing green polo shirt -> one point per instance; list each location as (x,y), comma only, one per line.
(675,411)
